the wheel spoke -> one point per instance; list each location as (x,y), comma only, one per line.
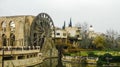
(43,27)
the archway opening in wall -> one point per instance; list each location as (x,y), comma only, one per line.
(12,26)
(12,39)
(3,25)
(4,40)
(41,29)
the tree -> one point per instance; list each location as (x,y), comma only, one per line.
(99,42)
(117,42)
(111,35)
(85,40)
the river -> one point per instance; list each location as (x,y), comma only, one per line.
(55,63)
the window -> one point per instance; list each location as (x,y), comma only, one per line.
(57,33)
(64,34)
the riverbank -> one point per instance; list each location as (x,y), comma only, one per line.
(98,53)
(25,62)
(111,65)
(80,59)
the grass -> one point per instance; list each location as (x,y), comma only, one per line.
(98,53)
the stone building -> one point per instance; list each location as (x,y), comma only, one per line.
(68,36)
(60,36)
(14,30)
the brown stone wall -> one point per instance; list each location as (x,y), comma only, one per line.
(22,28)
(28,22)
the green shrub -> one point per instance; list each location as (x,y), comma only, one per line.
(91,54)
(66,54)
(100,62)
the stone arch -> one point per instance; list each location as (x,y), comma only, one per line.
(12,26)
(27,31)
(12,39)
(3,26)
(4,40)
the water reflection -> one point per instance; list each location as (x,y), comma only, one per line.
(48,63)
(78,65)
(59,64)
(56,63)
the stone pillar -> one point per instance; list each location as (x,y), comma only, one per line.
(0,40)
(25,56)
(19,42)
(15,57)
(16,42)
(8,42)
(23,42)
(0,31)
(7,33)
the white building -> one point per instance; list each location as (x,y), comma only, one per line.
(68,35)
(92,33)
(73,32)
(60,33)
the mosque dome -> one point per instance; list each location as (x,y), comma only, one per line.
(91,28)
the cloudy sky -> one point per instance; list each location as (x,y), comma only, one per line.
(102,14)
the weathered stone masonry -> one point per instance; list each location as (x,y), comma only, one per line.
(21,30)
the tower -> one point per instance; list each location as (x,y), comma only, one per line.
(70,25)
(64,25)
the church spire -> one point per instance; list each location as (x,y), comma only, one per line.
(64,25)
(70,25)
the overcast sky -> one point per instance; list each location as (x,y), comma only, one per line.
(102,14)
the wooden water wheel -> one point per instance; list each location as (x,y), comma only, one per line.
(41,28)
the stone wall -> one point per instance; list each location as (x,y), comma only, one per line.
(22,28)
(22,62)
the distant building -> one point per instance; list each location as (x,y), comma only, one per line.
(60,36)
(92,33)
(73,32)
(60,33)
(68,35)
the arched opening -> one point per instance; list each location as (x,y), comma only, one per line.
(12,39)
(4,41)
(12,26)
(4,25)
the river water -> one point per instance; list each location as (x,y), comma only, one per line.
(55,63)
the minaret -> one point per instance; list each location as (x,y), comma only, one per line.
(70,25)
(64,25)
